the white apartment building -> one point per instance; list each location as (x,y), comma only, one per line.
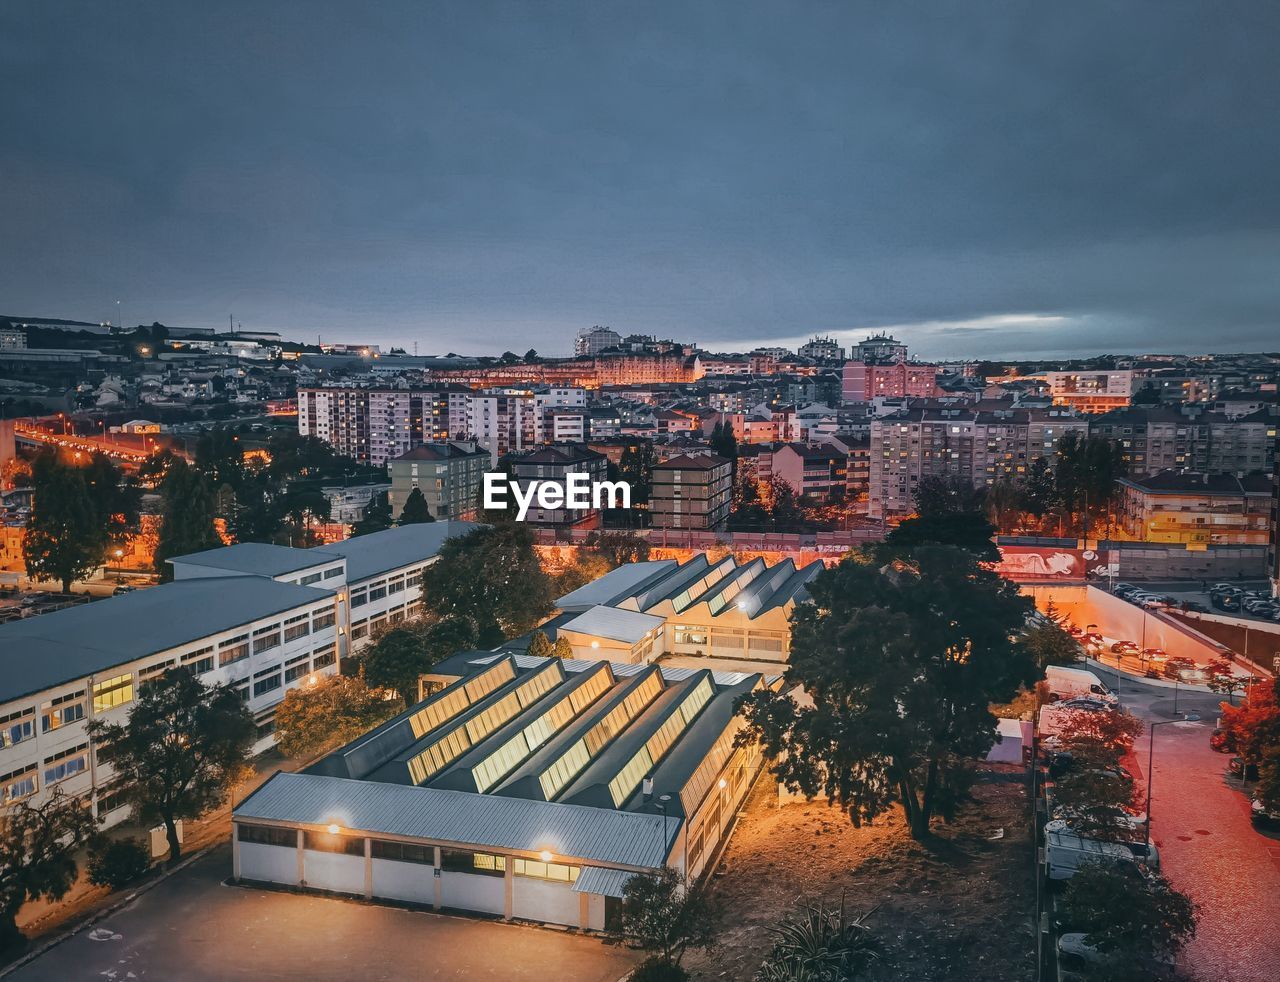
(507,420)
(262,619)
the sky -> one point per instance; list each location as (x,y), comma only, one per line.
(982,179)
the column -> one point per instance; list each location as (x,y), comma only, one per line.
(438,876)
(235,852)
(368,868)
(509,880)
(302,864)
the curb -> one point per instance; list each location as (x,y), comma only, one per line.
(106,911)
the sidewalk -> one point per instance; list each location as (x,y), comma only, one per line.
(39,918)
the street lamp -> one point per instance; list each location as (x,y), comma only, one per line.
(1151,750)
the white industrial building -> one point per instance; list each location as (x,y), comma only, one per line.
(528,788)
(260,618)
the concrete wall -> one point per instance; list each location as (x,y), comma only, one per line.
(270,864)
(412,882)
(471,891)
(545,900)
(330,871)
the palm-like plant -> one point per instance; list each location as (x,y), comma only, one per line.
(822,945)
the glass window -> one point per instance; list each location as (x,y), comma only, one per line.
(482,863)
(266,638)
(17,726)
(17,784)
(351,845)
(266,835)
(233,649)
(296,627)
(323,620)
(324,658)
(112,692)
(59,716)
(262,686)
(404,852)
(70,762)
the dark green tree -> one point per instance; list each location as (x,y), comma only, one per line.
(663,916)
(902,663)
(183,749)
(377,516)
(1049,645)
(723,441)
(219,457)
(1086,474)
(949,512)
(116,500)
(1135,922)
(618,547)
(65,537)
(636,468)
(186,517)
(540,645)
(38,846)
(415,510)
(396,660)
(492,577)
(1039,491)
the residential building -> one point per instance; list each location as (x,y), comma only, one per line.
(980,444)
(1273,546)
(1159,438)
(691,491)
(879,349)
(12,338)
(450,476)
(590,342)
(374,425)
(553,465)
(822,349)
(260,618)
(347,504)
(1197,509)
(524,788)
(863,381)
(1092,392)
(816,472)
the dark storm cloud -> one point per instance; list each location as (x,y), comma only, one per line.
(985,178)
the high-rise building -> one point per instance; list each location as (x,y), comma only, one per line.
(864,381)
(1164,438)
(1092,392)
(822,349)
(374,425)
(553,465)
(691,491)
(592,341)
(879,348)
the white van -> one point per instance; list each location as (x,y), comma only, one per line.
(1071,683)
(1065,852)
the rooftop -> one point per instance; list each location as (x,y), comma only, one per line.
(258,558)
(379,552)
(614,624)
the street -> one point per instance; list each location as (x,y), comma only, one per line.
(1209,848)
(193,927)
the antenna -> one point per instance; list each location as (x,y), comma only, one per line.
(231,321)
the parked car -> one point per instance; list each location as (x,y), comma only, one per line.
(1125,647)
(1238,767)
(1077,955)
(1225,588)
(1218,740)
(1260,814)
(1065,853)
(1123,588)
(120,591)
(1192,607)
(1225,601)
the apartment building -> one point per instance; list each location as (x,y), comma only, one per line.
(863,381)
(449,475)
(375,425)
(979,444)
(1092,392)
(1159,438)
(262,619)
(816,472)
(553,465)
(881,348)
(1197,509)
(691,491)
(822,349)
(505,421)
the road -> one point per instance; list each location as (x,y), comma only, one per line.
(195,928)
(1209,848)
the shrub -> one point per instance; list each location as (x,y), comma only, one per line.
(118,863)
(655,969)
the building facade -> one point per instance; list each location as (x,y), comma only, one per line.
(553,465)
(1092,392)
(450,476)
(1197,509)
(863,381)
(691,491)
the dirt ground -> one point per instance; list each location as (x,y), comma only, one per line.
(957,908)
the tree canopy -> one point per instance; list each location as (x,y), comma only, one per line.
(416,510)
(664,917)
(65,537)
(334,710)
(184,747)
(902,662)
(186,516)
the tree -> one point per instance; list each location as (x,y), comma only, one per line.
(116,863)
(219,457)
(38,846)
(1038,491)
(662,916)
(723,441)
(396,661)
(332,711)
(377,516)
(492,577)
(1222,679)
(618,548)
(822,945)
(949,511)
(562,648)
(1133,921)
(186,517)
(1086,473)
(115,499)
(636,468)
(902,663)
(183,749)
(1253,727)
(416,511)
(1049,645)
(1004,505)
(65,539)
(540,645)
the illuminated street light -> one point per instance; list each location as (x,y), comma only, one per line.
(334,828)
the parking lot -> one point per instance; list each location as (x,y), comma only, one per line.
(195,928)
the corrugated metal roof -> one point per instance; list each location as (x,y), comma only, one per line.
(489,822)
(379,552)
(605,882)
(614,624)
(615,585)
(258,558)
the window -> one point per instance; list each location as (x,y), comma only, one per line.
(323,620)
(309,579)
(266,682)
(68,763)
(324,658)
(351,845)
(377,592)
(109,799)
(396,585)
(296,627)
(113,692)
(546,871)
(473,862)
(200,660)
(360,629)
(267,835)
(330,574)
(296,667)
(266,638)
(17,784)
(233,649)
(359,598)
(63,710)
(17,726)
(404,852)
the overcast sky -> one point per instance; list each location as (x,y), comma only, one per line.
(982,178)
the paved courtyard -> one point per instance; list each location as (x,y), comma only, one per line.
(192,927)
(1209,848)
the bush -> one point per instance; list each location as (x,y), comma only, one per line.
(656,969)
(119,863)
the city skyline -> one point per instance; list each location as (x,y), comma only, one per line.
(1044,183)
